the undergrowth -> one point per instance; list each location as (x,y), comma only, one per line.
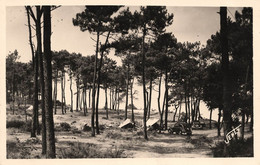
(88,150)
(236,148)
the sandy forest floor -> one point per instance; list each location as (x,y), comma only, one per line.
(118,142)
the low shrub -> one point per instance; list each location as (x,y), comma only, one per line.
(88,150)
(15,124)
(86,128)
(236,148)
(113,135)
(63,127)
(17,150)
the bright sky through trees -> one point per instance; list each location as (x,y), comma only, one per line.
(190,24)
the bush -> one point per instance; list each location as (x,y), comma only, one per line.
(113,135)
(15,124)
(16,150)
(86,128)
(63,127)
(236,148)
(88,150)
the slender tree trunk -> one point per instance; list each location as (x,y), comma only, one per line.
(99,82)
(252,122)
(127,84)
(62,89)
(55,91)
(77,101)
(110,98)
(106,106)
(118,101)
(225,72)
(150,97)
(219,125)
(50,137)
(132,102)
(39,51)
(243,110)
(35,101)
(159,102)
(180,111)
(144,90)
(189,109)
(243,125)
(186,109)
(210,119)
(166,98)
(94,89)
(25,113)
(83,100)
(80,99)
(176,109)
(71,93)
(89,97)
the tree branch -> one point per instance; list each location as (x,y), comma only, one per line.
(31,13)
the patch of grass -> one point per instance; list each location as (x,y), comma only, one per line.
(201,142)
(17,150)
(164,150)
(236,148)
(88,150)
(113,135)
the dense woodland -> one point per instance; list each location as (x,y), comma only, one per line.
(219,73)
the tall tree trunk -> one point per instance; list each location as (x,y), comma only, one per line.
(50,137)
(110,103)
(62,89)
(118,93)
(189,112)
(186,108)
(166,99)
(71,93)
(89,97)
(55,91)
(159,102)
(39,51)
(176,109)
(144,90)
(112,99)
(225,71)
(210,119)
(132,102)
(243,110)
(243,125)
(77,101)
(180,111)
(83,100)
(150,97)
(219,125)
(94,89)
(99,82)
(106,106)
(35,100)
(127,84)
